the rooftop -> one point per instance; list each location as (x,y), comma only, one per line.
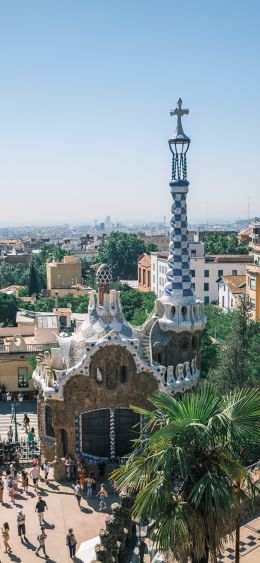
(236,284)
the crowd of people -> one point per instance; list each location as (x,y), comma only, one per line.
(14,482)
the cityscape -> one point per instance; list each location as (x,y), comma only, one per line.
(129,342)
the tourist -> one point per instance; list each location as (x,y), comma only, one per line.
(25,481)
(78,492)
(21,525)
(34,474)
(46,469)
(10,488)
(15,481)
(40,508)
(10,434)
(102,494)
(2,486)
(89,484)
(41,539)
(69,466)
(71,543)
(6,536)
(26,422)
(31,437)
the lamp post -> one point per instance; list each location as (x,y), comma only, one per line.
(141,532)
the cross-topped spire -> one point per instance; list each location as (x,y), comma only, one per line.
(179,112)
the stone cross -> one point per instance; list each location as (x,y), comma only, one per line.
(179,112)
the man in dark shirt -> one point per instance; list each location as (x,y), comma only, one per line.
(40,508)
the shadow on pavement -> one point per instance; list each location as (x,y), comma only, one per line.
(14,557)
(86,509)
(29,545)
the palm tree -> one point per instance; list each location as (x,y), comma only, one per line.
(186,466)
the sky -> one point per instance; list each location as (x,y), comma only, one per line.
(86,91)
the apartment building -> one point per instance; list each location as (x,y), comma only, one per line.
(253,272)
(205,271)
(230,291)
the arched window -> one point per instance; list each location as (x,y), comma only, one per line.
(184,344)
(194,342)
(49,430)
(111,375)
(123,374)
(99,375)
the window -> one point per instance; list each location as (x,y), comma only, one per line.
(149,278)
(232,302)
(153,278)
(23,377)
(193,285)
(193,252)
(252,283)
(206,287)
(144,277)
(206,273)
(206,299)
(49,430)
(153,266)
(139,275)
(223,301)
(123,374)
(234,272)
(220,273)
(252,303)
(192,273)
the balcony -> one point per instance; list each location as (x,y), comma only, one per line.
(24,349)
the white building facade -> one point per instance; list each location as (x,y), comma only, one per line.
(205,270)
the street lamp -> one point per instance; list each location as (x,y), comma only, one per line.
(141,532)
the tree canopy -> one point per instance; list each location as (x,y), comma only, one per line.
(224,243)
(185,470)
(121,251)
(8,308)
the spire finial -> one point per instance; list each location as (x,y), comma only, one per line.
(179,133)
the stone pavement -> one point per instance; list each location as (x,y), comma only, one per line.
(63,513)
(249,544)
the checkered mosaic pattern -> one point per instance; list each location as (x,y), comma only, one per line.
(250,542)
(178,277)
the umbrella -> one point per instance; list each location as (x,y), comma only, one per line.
(86,551)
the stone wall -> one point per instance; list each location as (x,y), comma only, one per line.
(83,393)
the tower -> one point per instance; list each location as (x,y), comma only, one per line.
(175,335)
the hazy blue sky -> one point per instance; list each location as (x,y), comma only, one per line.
(86,89)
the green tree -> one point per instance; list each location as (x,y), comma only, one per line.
(8,309)
(238,357)
(121,251)
(33,285)
(184,474)
(224,243)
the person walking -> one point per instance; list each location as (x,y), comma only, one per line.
(10,488)
(102,494)
(25,481)
(40,509)
(41,539)
(10,434)
(46,469)
(26,422)
(21,526)
(34,474)
(89,484)
(2,486)
(71,543)
(78,492)
(6,536)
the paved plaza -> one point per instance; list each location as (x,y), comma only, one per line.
(63,513)
(29,407)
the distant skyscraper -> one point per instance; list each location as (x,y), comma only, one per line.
(107,223)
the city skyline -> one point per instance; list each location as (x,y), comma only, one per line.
(86,97)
